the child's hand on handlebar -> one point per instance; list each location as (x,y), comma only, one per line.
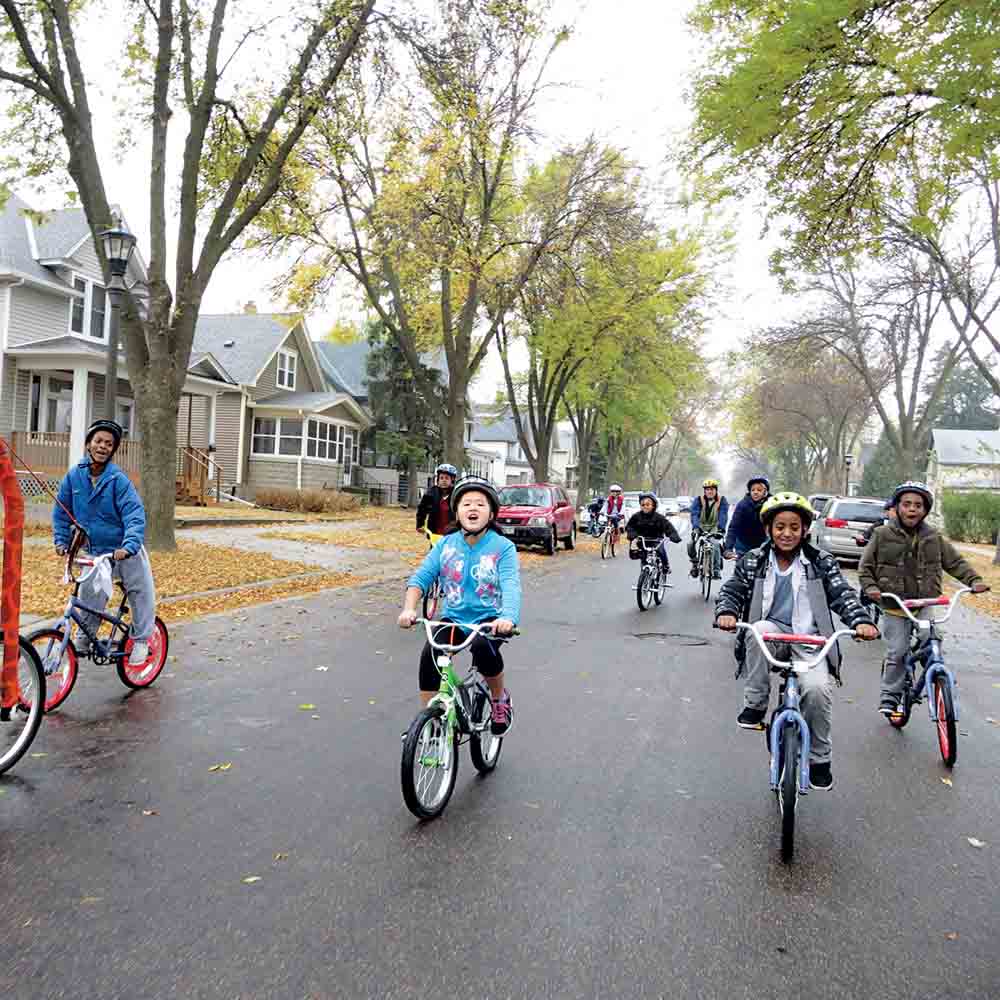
(61,550)
(873,594)
(866,632)
(730,554)
(726,622)
(980,588)
(503,626)
(121,554)
(407,618)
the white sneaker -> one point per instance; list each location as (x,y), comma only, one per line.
(139,654)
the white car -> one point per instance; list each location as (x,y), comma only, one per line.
(668,506)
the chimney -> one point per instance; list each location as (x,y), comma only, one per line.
(251,308)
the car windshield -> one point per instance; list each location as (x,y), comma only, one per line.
(870,512)
(525,496)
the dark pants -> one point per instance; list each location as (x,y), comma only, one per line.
(486,657)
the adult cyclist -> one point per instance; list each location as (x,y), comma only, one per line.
(709,514)
(434,509)
(746,531)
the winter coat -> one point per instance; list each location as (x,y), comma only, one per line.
(745,527)
(111,512)
(722,505)
(910,564)
(651,526)
(428,511)
(742,596)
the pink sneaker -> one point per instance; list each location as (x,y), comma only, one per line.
(503,715)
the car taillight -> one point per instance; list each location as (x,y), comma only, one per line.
(835,522)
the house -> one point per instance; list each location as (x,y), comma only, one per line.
(963,460)
(54,324)
(494,431)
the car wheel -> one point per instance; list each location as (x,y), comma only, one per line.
(552,542)
(570,540)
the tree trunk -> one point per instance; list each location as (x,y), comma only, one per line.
(540,462)
(158,459)
(453,431)
(412,467)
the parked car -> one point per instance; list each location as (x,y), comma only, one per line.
(537,514)
(818,502)
(685,502)
(843,518)
(630,503)
(668,506)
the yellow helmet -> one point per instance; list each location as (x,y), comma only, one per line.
(787,501)
(710,482)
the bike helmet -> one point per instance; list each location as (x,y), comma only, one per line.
(759,479)
(448,469)
(646,495)
(710,483)
(787,501)
(615,488)
(912,486)
(112,427)
(468,483)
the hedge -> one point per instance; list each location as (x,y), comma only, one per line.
(971,517)
(307,501)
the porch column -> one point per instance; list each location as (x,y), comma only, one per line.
(78,416)
(212,400)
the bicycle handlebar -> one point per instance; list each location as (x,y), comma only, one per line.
(929,602)
(474,629)
(787,637)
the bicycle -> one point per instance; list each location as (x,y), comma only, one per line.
(59,654)
(787,735)
(596,524)
(461,711)
(609,539)
(652,584)
(20,719)
(936,678)
(433,596)
(708,543)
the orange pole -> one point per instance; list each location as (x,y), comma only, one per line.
(10,584)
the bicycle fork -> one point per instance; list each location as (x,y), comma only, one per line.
(790,714)
(935,669)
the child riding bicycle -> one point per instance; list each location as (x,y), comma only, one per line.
(434,510)
(652,526)
(745,529)
(709,514)
(480,582)
(786,585)
(907,557)
(98,496)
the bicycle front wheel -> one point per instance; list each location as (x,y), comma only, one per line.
(430,764)
(788,788)
(660,588)
(19,723)
(605,545)
(947,742)
(60,671)
(431,600)
(707,565)
(643,588)
(614,542)
(484,747)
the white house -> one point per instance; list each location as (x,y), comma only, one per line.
(964,460)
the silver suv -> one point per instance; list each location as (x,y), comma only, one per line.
(842,519)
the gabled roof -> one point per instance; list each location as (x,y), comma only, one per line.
(313,402)
(15,242)
(61,233)
(345,365)
(209,361)
(957,447)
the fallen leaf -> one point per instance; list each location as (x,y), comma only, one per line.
(150,812)
(307,707)
(976,842)
(371,701)
(41,754)
(314,717)
(92,899)
(250,879)
(280,856)
(947,781)
(221,767)
(951,936)
(323,669)
(992,721)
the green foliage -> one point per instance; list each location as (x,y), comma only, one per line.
(971,517)
(966,400)
(885,470)
(829,103)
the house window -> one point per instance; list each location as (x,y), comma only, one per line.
(321,441)
(88,314)
(78,306)
(98,307)
(125,413)
(289,437)
(265,433)
(287,361)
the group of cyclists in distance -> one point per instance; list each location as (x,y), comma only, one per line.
(781,583)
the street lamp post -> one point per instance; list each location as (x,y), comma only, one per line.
(118,247)
(848,459)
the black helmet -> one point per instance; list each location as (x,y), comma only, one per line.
(759,479)
(474,483)
(646,495)
(112,427)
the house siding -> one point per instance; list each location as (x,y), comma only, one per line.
(227,432)
(22,396)
(36,315)
(200,414)
(7,397)
(272,473)
(90,266)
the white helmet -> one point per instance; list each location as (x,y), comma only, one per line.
(615,488)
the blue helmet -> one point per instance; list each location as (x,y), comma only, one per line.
(448,469)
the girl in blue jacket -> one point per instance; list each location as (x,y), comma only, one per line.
(480,582)
(745,529)
(104,502)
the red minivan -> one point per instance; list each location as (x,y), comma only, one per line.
(537,514)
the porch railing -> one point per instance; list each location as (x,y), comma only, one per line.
(199,476)
(47,453)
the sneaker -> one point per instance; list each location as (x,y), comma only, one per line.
(889,705)
(503,715)
(694,572)
(820,776)
(751,718)
(716,575)
(139,654)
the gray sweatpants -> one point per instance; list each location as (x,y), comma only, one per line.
(137,578)
(815,688)
(896,632)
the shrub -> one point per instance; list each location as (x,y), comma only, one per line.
(971,517)
(306,501)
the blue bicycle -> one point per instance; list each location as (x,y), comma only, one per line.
(788,735)
(936,681)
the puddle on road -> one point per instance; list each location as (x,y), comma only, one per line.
(682,638)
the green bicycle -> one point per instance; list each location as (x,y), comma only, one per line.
(460,712)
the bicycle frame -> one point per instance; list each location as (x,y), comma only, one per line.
(714,539)
(928,651)
(789,712)
(72,614)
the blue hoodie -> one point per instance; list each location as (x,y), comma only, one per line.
(111,512)
(478,583)
(745,530)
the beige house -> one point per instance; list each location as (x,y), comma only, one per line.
(963,460)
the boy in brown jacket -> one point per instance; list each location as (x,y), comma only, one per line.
(907,557)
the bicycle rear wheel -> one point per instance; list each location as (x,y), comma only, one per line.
(947,742)
(143,674)
(430,764)
(60,671)
(788,788)
(484,747)
(431,601)
(706,572)
(19,723)
(643,588)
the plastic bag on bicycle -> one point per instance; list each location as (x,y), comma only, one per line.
(98,583)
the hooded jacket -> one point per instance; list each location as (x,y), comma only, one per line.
(652,526)
(745,526)
(110,512)
(428,510)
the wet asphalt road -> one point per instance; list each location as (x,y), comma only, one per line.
(626,846)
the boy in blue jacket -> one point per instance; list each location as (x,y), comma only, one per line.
(745,529)
(480,582)
(104,502)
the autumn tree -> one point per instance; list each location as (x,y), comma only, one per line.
(212,73)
